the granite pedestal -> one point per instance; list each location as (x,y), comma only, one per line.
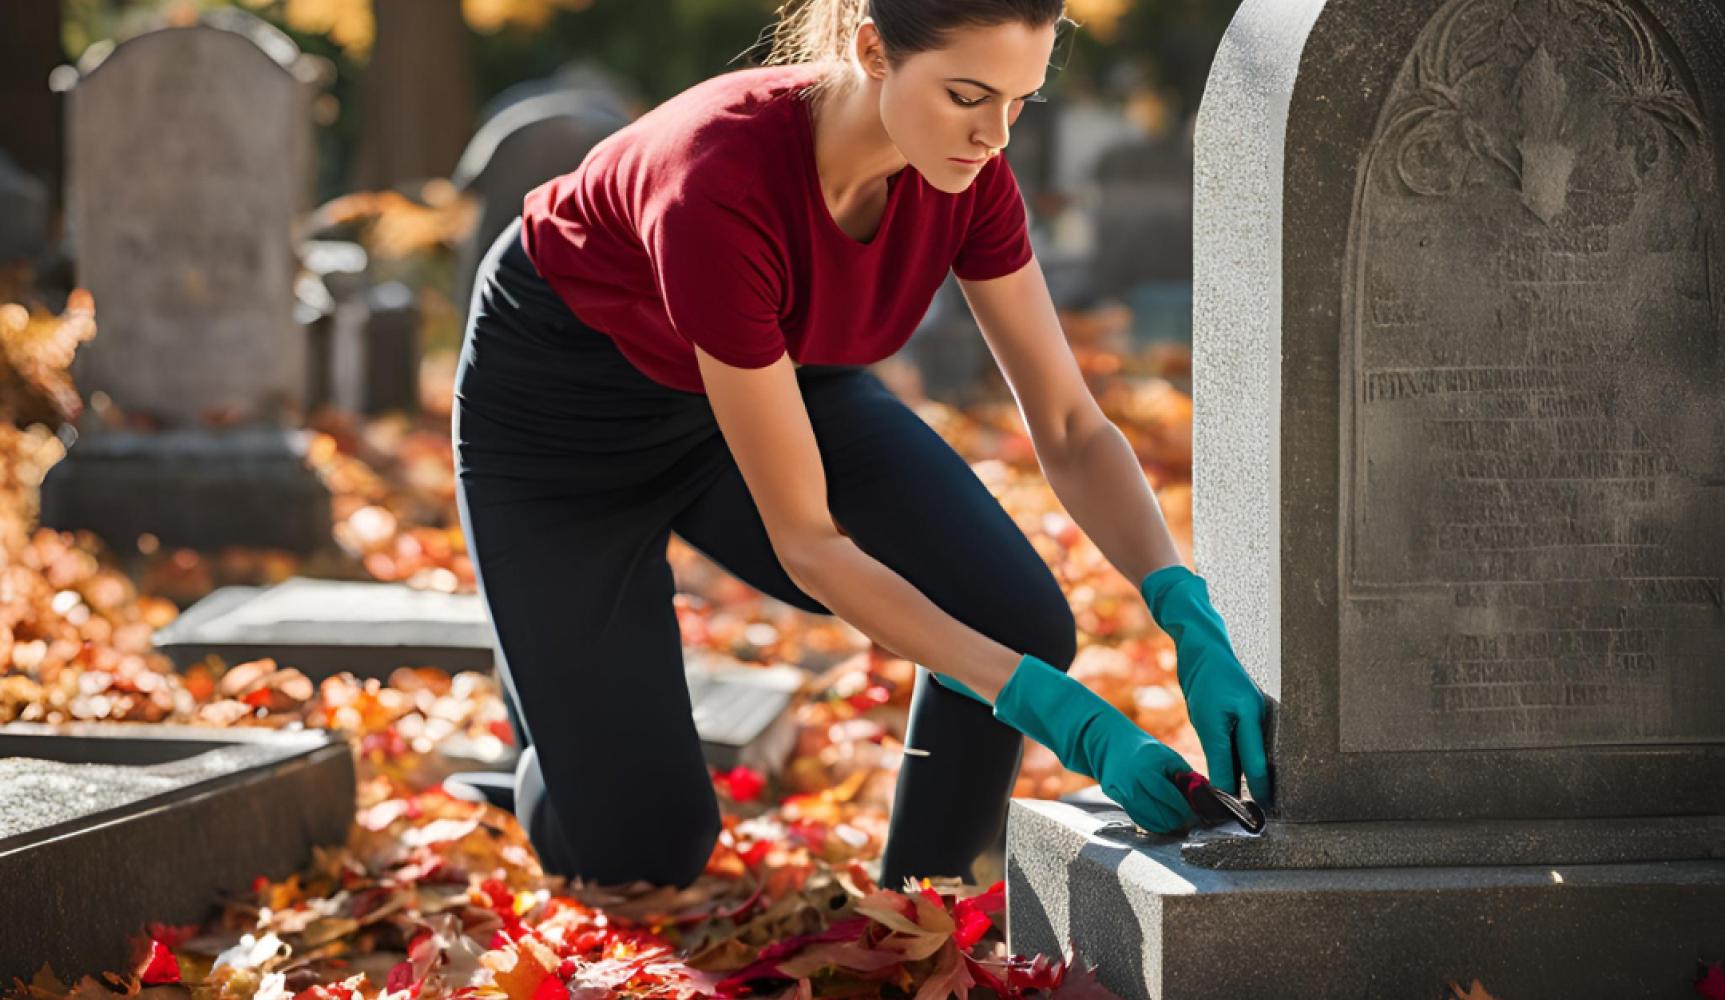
(194,487)
(1160,926)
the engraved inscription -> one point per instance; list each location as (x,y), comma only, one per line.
(1534,442)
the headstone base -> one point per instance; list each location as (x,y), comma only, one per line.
(194,487)
(1157,926)
(1428,843)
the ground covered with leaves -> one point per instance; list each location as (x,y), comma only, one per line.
(434,896)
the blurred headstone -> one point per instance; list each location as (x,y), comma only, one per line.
(608,90)
(527,143)
(186,157)
(374,351)
(333,275)
(194,487)
(1143,231)
(1460,460)
(105,827)
(24,210)
(31,121)
(183,192)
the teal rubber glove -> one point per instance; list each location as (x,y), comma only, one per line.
(1227,709)
(1095,739)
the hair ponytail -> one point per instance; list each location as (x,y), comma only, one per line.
(818,32)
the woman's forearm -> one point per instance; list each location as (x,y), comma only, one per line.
(1098,479)
(888,609)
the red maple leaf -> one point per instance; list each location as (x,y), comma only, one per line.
(159,966)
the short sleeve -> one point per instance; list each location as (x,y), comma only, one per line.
(997,242)
(718,277)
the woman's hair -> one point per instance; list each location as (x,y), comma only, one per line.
(819,31)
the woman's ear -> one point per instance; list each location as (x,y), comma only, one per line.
(870,51)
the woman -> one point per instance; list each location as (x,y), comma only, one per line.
(673,338)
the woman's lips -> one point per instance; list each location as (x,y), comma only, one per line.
(968,163)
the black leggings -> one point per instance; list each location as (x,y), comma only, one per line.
(575,468)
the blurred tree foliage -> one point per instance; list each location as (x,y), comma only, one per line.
(1139,53)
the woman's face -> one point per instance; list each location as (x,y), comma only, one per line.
(959,102)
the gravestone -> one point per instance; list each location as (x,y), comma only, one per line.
(105,827)
(325,627)
(1143,214)
(183,145)
(374,351)
(24,210)
(524,145)
(1459,431)
(186,169)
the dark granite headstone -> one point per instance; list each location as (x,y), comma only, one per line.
(526,144)
(105,827)
(1459,405)
(1143,214)
(194,487)
(24,208)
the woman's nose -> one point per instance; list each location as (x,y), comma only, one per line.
(994,136)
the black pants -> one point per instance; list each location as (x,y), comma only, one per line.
(575,468)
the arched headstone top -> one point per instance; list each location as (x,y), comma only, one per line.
(243,35)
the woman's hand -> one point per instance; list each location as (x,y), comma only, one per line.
(1226,707)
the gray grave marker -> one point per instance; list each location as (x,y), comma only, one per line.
(187,150)
(184,147)
(1459,415)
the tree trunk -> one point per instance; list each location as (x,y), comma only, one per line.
(417,94)
(30,115)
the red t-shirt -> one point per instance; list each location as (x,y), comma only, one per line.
(703,222)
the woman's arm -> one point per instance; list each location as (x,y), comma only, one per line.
(761,414)
(1086,459)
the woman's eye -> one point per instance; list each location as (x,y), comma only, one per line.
(961,102)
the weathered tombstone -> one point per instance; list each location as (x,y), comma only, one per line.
(186,156)
(104,827)
(526,144)
(183,145)
(1460,456)
(1144,211)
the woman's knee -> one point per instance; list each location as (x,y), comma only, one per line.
(1050,631)
(668,844)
